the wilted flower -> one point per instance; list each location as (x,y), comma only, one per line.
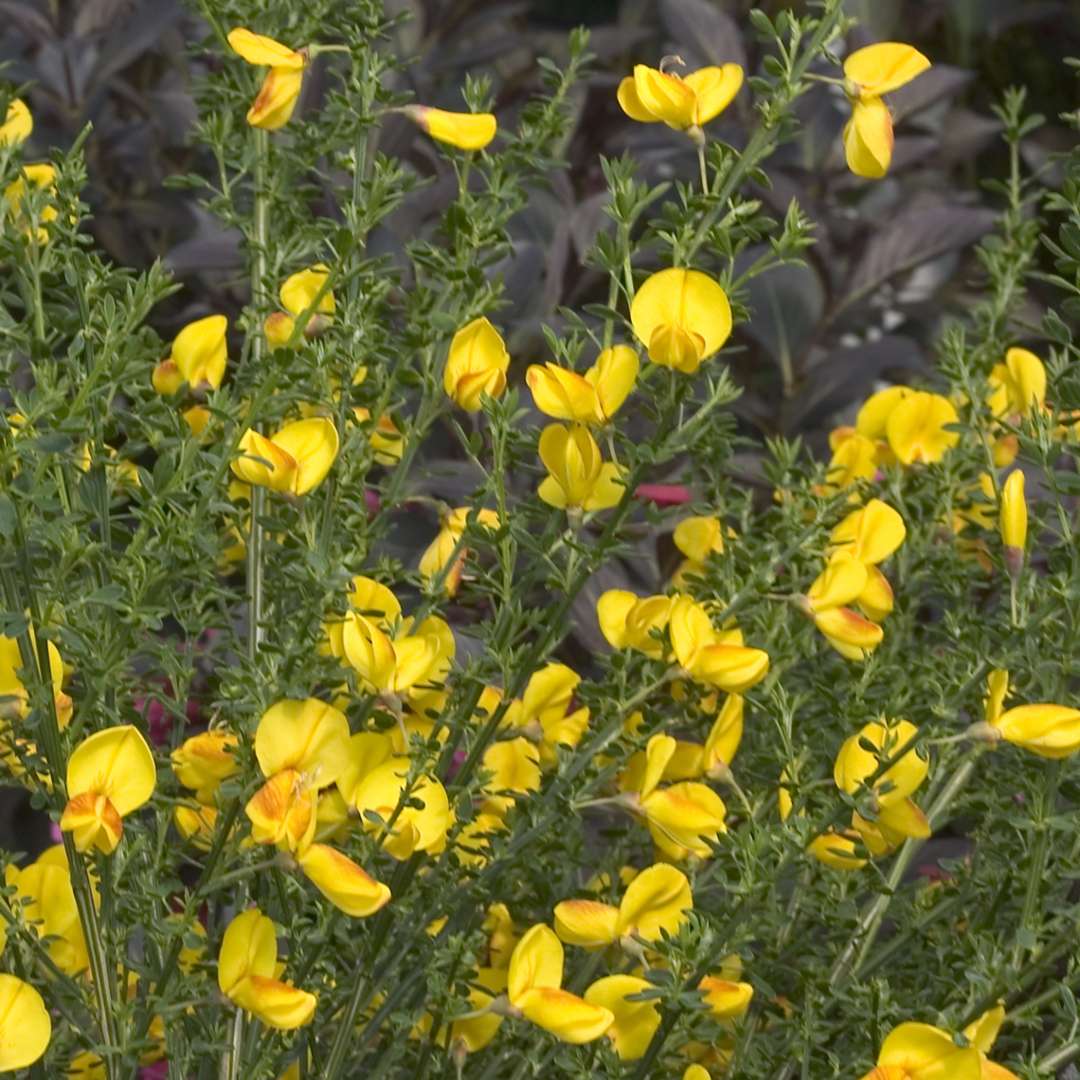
(682,316)
(466,131)
(274,104)
(870,72)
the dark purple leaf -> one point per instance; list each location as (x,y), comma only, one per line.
(912,237)
(700,28)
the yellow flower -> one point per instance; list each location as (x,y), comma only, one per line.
(197,418)
(514,765)
(40,178)
(203,761)
(1013,520)
(837,850)
(466,131)
(656,902)
(534,987)
(922,1052)
(872,419)
(869,73)
(682,316)
(301,746)
(981,1033)
(385,438)
(298,294)
(543,714)
(592,398)
(442,549)
(578,477)
(855,763)
(1051,731)
(635,1022)
(198,357)
(1018,386)
(683,819)
(712,657)
(294,460)
(724,994)
(699,537)
(369,598)
(855,457)
(14,699)
(916,428)
(342,882)
(44,893)
(654,96)
(869,535)
(631,622)
(307,735)
(17,125)
(476,1030)
(377,789)
(247,965)
(274,104)
(892,825)
(475,365)
(110,774)
(845,581)
(393,663)
(25,1027)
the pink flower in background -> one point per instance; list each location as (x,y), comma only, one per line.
(664,494)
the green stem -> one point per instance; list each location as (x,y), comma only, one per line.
(862,939)
(230,1063)
(259,241)
(1039,852)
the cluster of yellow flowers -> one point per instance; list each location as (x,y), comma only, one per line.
(326,790)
